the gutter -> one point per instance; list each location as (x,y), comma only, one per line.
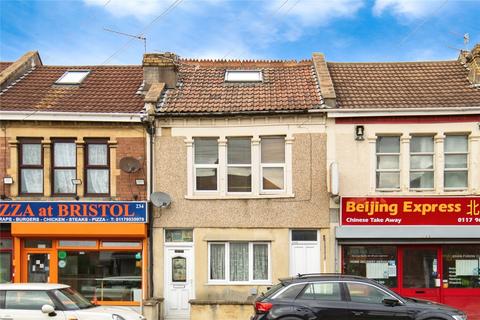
(235,113)
(70,116)
(376,112)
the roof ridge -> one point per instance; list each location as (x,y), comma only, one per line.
(246,62)
(95,66)
(395,62)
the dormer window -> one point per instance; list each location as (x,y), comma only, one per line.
(73,77)
(243,76)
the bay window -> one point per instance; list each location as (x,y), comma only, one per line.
(64,167)
(456,162)
(421,163)
(31,166)
(97,167)
(239,262)
(388,163)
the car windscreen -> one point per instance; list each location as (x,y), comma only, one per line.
(72,300)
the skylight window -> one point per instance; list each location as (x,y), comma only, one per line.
(73,77)
(243,76)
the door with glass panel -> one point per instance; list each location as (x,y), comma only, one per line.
(421,274)
(38,267)
(178,281)
(304,252)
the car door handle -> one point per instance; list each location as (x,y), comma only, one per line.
(357,313)
(420,291)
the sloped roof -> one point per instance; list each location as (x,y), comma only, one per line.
(435,84)
(286,86)
(107,89)
(4,65)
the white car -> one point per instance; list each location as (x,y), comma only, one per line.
(37,301)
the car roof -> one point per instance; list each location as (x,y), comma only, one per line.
(32,286)
(324,277)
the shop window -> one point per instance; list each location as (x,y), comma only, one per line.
(322,292)
(5,266)
(363,293)
(31,166)
(421,163)
(179,235)
(97,166)
(121,244)
(456,162)
(64,167)
(103,275)
(239,262)
(378,263)
(26,300)
(78,243)
(5,243)
(206,164)
(388,163)
(239,164)
(40,244)
(461,266)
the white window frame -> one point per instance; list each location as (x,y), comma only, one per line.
(466,169)
(205,166)
(82,75)
(257,190)
(432,154)
(230,76)
(399,155)
(228,165)
(250,264)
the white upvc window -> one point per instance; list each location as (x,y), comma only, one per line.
(272,164)
(206,164)
(240,166)
(388,163)
(422,163)
(456,162)
(239,262)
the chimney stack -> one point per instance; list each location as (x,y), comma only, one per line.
(160,68)
(472,62)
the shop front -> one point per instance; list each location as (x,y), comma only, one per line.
(6,253)
(421,247)
(98,248)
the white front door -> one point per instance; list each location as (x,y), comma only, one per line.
(304,252)
(178,281)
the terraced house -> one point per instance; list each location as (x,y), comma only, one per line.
(241,148)
(73,168)
(404,140)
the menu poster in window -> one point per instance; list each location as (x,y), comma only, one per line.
(377,270)
(179,269)
(466,267)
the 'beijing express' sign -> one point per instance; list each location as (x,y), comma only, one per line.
(39,211)
(411,211)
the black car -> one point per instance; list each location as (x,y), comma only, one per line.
(343,297)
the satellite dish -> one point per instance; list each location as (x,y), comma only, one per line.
(129,164)
(160,199)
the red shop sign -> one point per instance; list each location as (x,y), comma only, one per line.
(361,211)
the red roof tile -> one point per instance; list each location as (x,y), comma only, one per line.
(286,86)
(439,84)
(4,65)
(107,89)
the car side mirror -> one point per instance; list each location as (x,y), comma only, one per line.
(48,309)
(391,302)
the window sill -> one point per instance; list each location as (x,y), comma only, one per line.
(239,197)
(265,283)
